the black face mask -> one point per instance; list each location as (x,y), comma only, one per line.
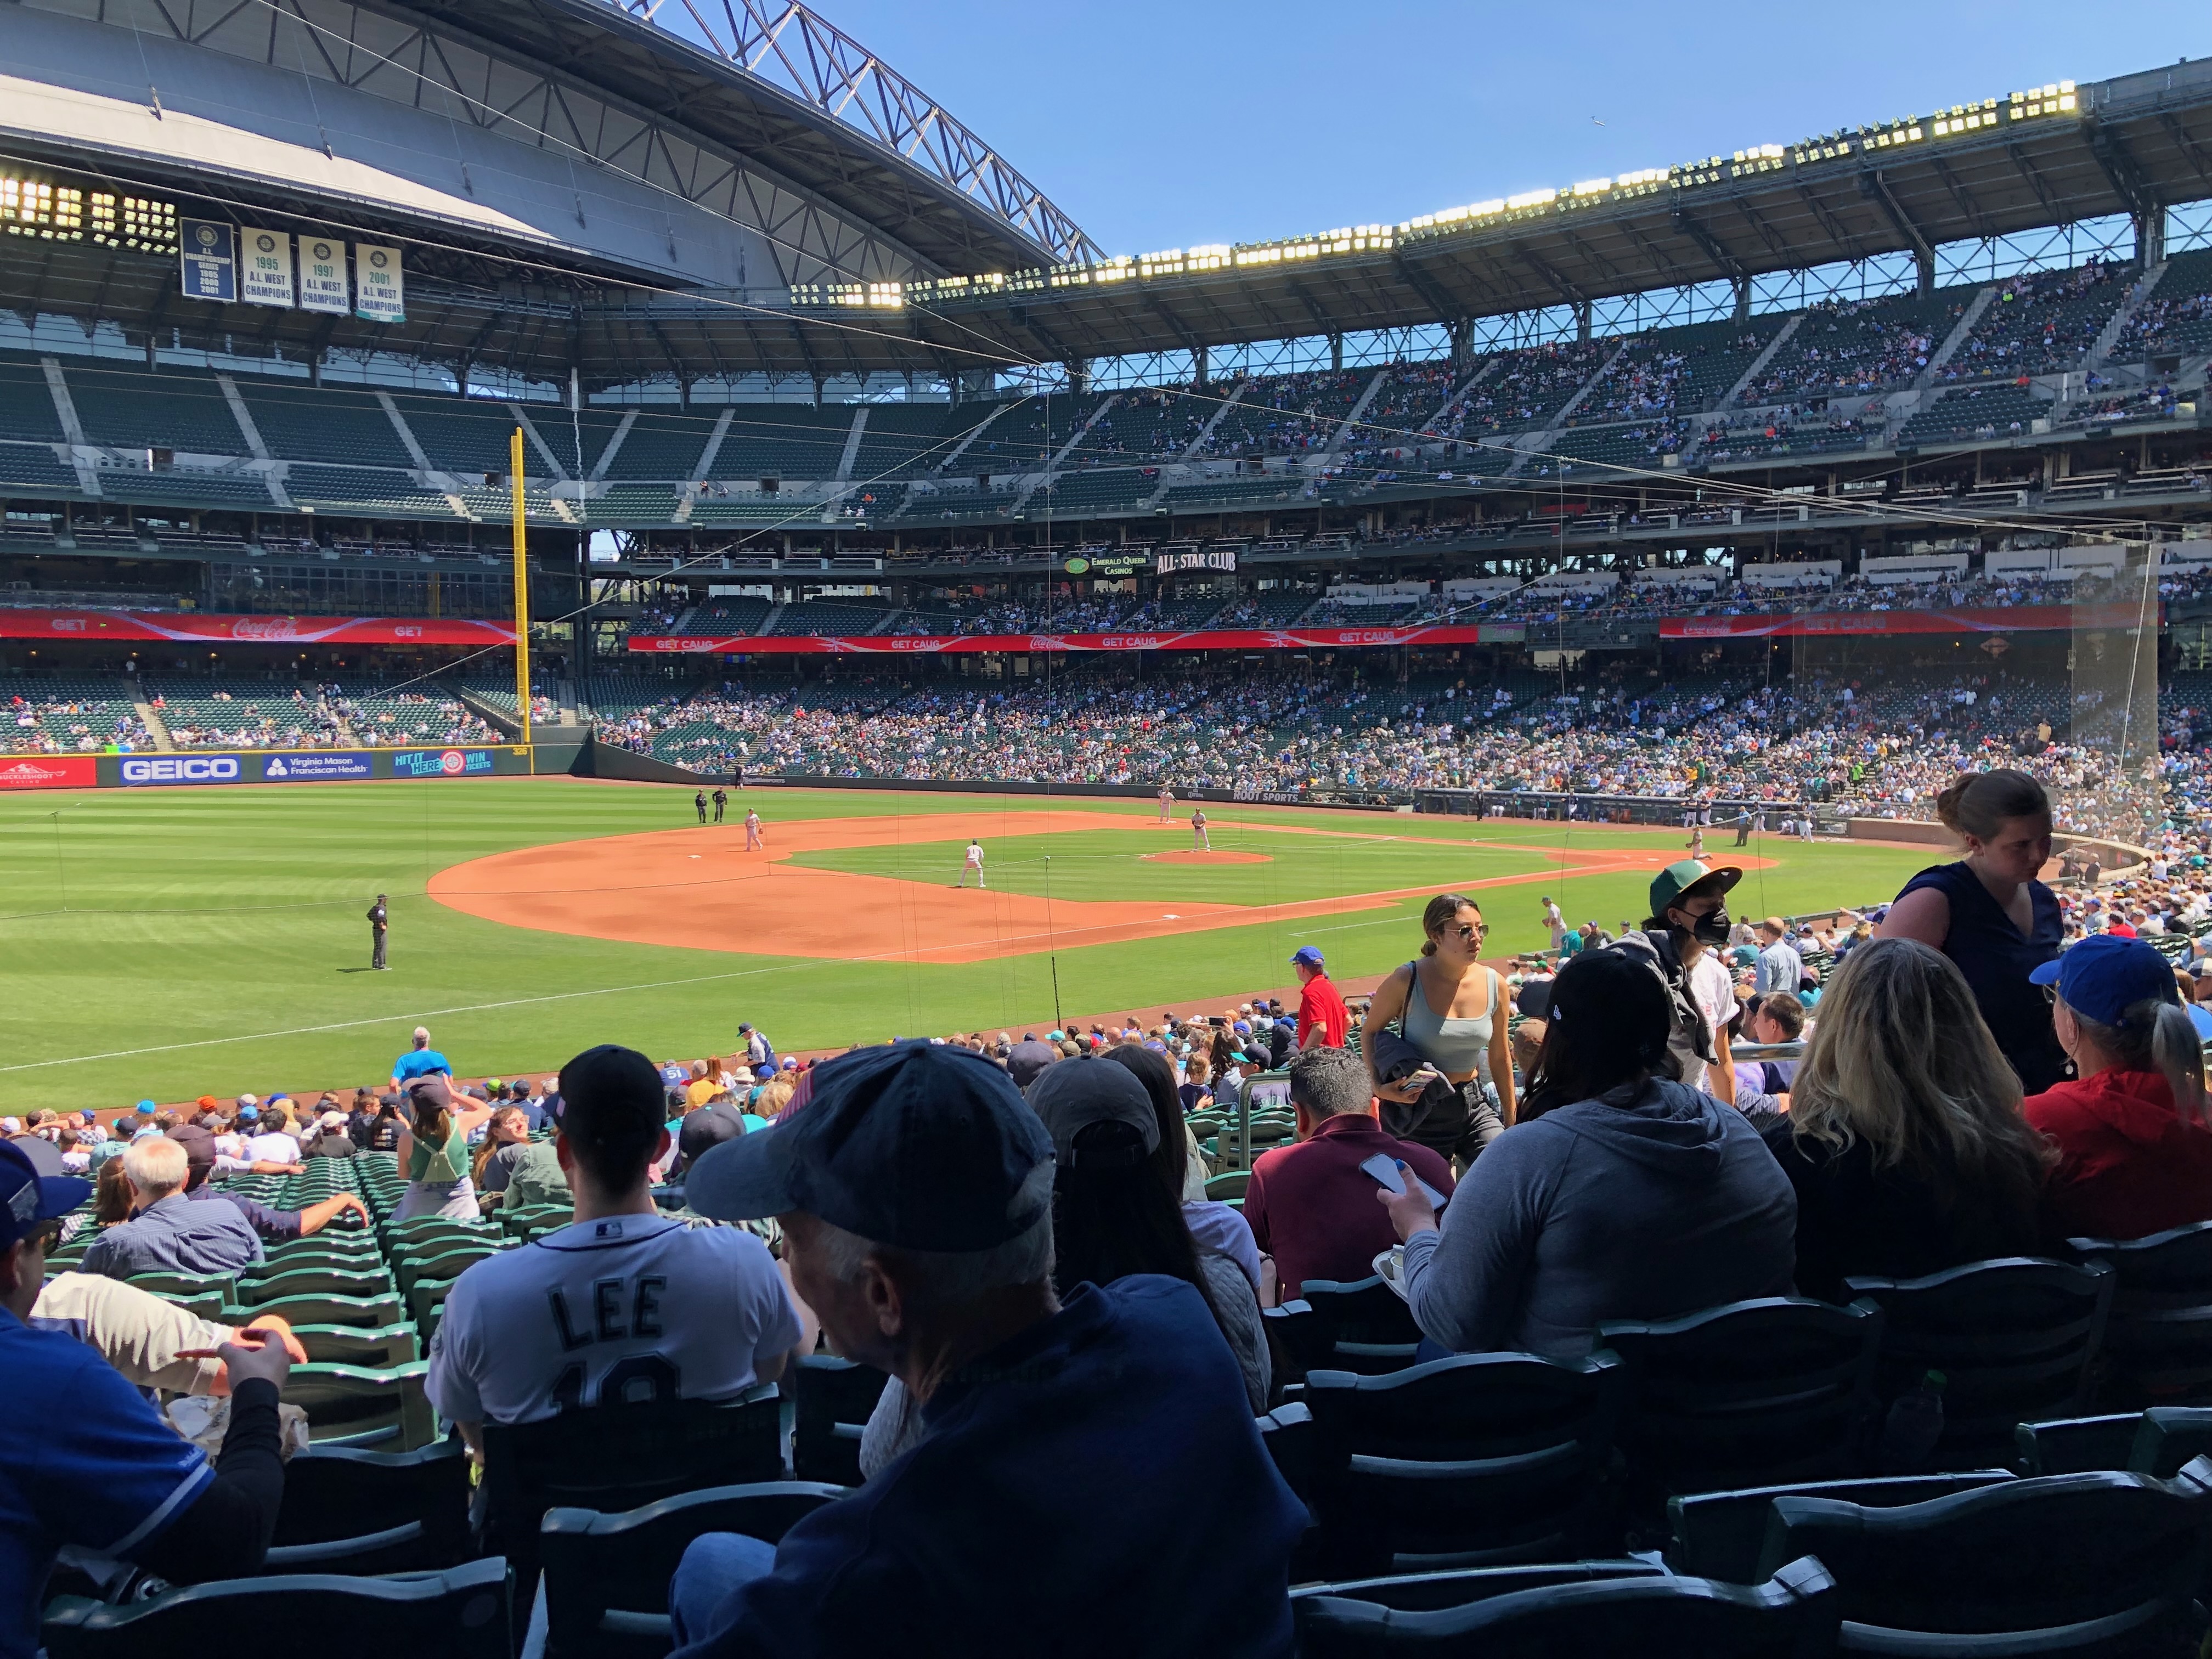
(1711,928)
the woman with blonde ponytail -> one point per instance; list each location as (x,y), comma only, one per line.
(2133,1131)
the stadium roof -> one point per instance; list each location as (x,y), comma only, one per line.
(780,84)
(2048,156)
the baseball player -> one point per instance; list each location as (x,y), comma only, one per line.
(974,862)
(755,841)
(1199,843)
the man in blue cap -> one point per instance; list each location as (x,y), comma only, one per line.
(1323,1020)
(1085,1478)
(120,1484)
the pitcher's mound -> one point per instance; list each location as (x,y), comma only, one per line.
(1193,856)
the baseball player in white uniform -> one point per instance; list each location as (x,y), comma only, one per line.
(755,841)
(973,863)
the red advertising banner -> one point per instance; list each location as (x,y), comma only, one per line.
(1995,619)
(199,628)
(922,645)
(48,772)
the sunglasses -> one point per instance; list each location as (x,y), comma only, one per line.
(1470,930)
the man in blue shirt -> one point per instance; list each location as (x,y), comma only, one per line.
(167,1232)
(421,1060)
(277,1227)
(1085,1479)
(116,1482)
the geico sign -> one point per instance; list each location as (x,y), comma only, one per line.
(181,769)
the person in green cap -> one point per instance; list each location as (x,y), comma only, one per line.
(1680,941)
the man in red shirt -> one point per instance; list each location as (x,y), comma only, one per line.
(1309,1205)
(1323,1019)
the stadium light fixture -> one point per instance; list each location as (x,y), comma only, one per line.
(2055,98)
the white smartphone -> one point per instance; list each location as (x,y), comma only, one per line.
(1385,1171)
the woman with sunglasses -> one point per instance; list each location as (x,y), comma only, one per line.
(1445,1003)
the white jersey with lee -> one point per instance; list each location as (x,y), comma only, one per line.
(630,1308)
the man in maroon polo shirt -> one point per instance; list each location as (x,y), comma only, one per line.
(1309,1204)
(1323,1019)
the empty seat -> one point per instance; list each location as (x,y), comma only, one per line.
(1583,1609)
(1363,1326)
(1719,1534)
(353,1406)
(350,1509)
(1775,1389)
(835,1397)
(312,1281)
(1471,1461)
(185,1284)
(606,1575)
(461,1614)
(2076,1445)
(411,1267)
(619,1457)
(2069,1564)
(371,1347)
(2014,1338)
(368,1312)
(2157,1338)
(2170,1437)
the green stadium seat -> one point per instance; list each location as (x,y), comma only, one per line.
(411,1267)
(835,1397)
(2069,1564)
(1718,1534)
(347,1509)
(1587,1608)
(460,1613)
(312,1281)
(360,1312)
(372,1348)
(606,1575)
(186,1284)
(617,1458)
(1780,1389)
(385,1409)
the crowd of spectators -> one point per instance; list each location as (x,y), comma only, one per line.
(1016,1233)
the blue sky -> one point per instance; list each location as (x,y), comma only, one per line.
(1157,123)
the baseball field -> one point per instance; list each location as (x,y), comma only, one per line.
(175,942)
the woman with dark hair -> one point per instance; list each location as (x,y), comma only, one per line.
(1113,1215)
(1623,1195)
(386,1129)
(435,1152)
(1446,1004)
(1905,1140)
(1990,914)
(1215,1228)
(2134,1132)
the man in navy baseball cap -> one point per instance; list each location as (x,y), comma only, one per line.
(1129,1504)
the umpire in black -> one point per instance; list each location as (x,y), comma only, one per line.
(379,927)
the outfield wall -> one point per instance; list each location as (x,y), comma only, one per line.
(212,766)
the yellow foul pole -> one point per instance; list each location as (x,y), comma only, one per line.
(521,591)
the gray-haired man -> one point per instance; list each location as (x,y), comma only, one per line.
(1089,1470)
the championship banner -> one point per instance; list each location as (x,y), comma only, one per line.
(1992,619)
(207,261)
(380,288)
(323,274)
(1296,639)
(198,627)
(264,271)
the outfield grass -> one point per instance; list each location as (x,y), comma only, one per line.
(175,942)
